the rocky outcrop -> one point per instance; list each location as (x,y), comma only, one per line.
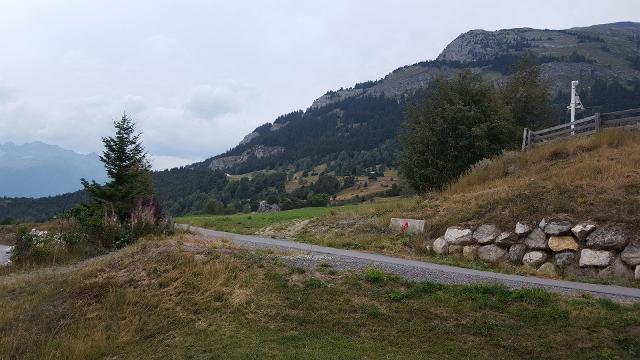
(258,151)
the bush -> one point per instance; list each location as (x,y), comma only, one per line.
(319,200)
(374,275)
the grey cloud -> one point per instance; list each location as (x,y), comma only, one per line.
(207,103)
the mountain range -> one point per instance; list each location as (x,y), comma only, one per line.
(37,169)
(352,129)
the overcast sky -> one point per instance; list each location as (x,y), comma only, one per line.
(197,75)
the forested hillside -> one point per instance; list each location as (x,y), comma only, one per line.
(604,58)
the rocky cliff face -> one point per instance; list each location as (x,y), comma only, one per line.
(257,151)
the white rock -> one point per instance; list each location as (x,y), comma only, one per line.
(486,234)
(534,258)
(583,229)
(537,240)
(492,253)
(542,223)
(458,236)
(590,257)
(440,246)
(557,228)
(522,229)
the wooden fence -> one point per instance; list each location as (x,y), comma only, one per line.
(583,127)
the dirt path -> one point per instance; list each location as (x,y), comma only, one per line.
(312,255)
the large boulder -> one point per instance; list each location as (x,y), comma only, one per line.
(492,253)
(534,258)
(440,246)
(516,252)
(522,229)
(548,269)
(583,229)
(537,240)
(617,270)
(506,239)
(557,228)
(486,234)
(459,236)
(610,237)
(600,258)
(562,243)
(565,259)
(631,254)
(470,252)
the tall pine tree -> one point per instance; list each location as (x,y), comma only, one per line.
(127,166)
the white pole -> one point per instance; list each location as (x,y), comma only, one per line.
(573,104)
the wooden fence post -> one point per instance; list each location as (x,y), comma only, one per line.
(529,139)
(524,139)
(598,123)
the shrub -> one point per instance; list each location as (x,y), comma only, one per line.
(374,275)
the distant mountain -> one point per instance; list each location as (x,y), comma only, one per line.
(604,58)
(37,169)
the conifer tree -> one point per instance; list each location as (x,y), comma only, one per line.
(127,167)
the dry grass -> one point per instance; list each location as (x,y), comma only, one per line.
(594,178)
(188,298)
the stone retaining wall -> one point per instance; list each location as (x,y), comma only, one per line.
(552,247)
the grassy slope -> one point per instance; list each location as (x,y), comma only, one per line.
(184,298)
(594,178)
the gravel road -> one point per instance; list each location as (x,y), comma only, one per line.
(4,254)
(309,256)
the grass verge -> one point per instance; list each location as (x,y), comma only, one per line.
(184,298)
